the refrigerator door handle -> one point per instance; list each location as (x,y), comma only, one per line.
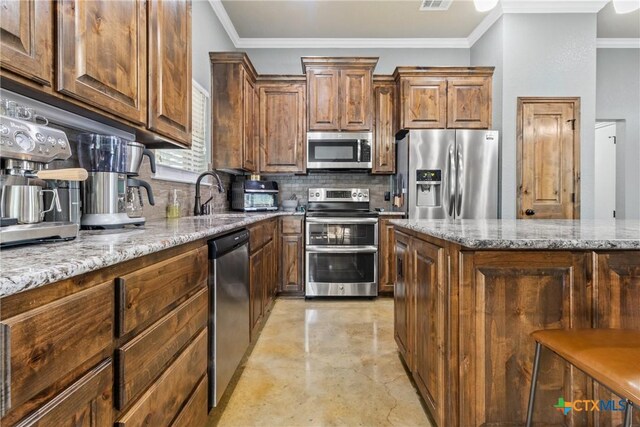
(451,182)
(460,184)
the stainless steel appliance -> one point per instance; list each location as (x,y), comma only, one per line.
(341,243)
(339,150)
(25,148)
(68,193)
(448,174)
(228,309)
(252,196)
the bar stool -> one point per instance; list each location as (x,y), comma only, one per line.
(609,356)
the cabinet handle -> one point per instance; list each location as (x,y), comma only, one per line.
(120,306)
(529,212)
(5,370)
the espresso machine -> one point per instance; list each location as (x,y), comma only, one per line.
(27,148)
(108,195)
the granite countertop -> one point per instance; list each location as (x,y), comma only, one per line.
(390,213)
(532,234)
(31,266)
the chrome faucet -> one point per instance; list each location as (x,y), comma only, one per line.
(197,209)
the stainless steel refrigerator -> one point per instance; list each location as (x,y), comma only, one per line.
(448,174)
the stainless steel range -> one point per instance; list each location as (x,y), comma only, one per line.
(341,243)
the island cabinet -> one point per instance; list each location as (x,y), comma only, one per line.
(292,255)
(463,319)
(444,97)
(384,140)
(233,112)
(386,259)
(339,93)
(125,345)
(282,124)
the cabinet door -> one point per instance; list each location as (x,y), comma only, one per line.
(469,103)
(323,99)
(282,132)
(429,361)
(424,103)
(503,297)
(403,299)
(102,55)
(292,247)
(170,68)
(355,100)
(386,259)
(384,148)
(26,39)
(248,129)
(256,292)
(268,277)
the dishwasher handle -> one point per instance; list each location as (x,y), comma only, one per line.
(225,244)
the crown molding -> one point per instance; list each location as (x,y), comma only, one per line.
(553,6)
(223,16)
(289,43)
(618,43)
(484,25)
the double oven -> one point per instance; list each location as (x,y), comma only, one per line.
(341,244)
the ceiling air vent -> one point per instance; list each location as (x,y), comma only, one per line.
(435,4)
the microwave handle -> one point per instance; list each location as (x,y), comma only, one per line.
(360,141)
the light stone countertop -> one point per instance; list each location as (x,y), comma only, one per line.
(532,234)
(30,266)
(390,213)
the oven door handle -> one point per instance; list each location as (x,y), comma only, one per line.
(342,249)
(339,221)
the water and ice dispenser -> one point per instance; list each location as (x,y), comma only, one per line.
(429,187)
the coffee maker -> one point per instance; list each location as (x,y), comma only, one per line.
(26,149)
(106,194)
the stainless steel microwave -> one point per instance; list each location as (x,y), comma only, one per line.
(339,150)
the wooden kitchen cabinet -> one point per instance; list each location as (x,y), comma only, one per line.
(423,103)
(387,259)
(256,290)
(292,256)
(233,111)
(26,41)
(404,299)
(102,55)
(282,133)
(469,102)
(339,93)
(169,59)
(384,139)
(263,272)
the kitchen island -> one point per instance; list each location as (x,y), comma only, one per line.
(469,292)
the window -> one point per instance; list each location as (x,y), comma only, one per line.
(185,165)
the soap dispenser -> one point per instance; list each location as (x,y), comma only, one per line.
(173,204)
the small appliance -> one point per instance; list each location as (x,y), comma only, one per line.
(254,196)
(447,174)
(27,148)
(339,150)
(341,244)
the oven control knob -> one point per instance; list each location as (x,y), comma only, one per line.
(354,195)
(359,194)
(317,194)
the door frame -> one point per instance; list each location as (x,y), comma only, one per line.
(575,100)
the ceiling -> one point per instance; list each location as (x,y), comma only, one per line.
(259,23)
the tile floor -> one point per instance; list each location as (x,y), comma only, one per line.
(325,363)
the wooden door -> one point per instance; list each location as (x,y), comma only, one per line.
(355,89)
(256,285)
(324,102)
(616,306)
(503,297)
(268,274)
(403,299)
(170,68)
(469,102)
(282,131)
(249,161)
(384,139)
(26,39)
(102,55)
(424,103)
(427,272)
(292,247)
(548,158)
(386,260)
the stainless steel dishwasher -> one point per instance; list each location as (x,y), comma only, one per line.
(228,309)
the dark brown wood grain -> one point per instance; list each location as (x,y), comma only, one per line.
(323,99)
(26,39)
(292,253)
(356,93)
(256,291)
(140,361)
(469,102)
(169,58)
(292,224)
(404,300)
(94,40)
(249,148)
(384,148)
(160,404)
(386,259)
(423,103)
(194,413)
(145,294)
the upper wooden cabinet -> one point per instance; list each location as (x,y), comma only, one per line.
(339,93)
(233,111)
(444,97)
(26,39)
(384,149)
(282,126)
(102,55)
(170,68)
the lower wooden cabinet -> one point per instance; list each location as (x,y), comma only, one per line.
(403,299)
(263,271)
(194,413)
(386,258)
(292,255)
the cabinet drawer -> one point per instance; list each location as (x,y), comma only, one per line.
(87,402)
(291,225)
(47,344)
(144,294)
(141,360)
(261,233)
(194,413)
(162,401)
